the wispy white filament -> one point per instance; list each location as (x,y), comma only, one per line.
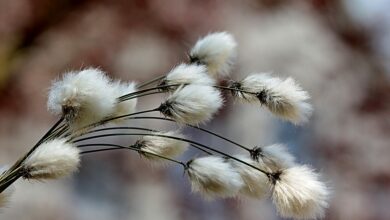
(214,177)
(256,183)
(128,106)
(51,160)
(193,104)
(299,194)
(275,157)
(7,193)
(217,51)
(189,74)
(83,97)
(283,97)
(163,146)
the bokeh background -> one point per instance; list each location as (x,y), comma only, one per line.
(339,50)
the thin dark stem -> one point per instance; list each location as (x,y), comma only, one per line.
(140,95)
(176,138)
(150,81)
(234,89)
(124,97)
(195,127)
(138,128)
(118,147)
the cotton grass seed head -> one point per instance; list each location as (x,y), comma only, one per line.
(51,160)
(163,146)
(83,97)
(188,74)
(128,106)
(214,177)
(5,196)
(256,183)
(283,97)
(299,194)
(217,51)
(273,157)
(192,104)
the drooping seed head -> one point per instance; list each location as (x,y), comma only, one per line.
(214,177)
(161,145)
(192,104)
(283,97)
(51,160)
(273,157)
(217,51)
(298,193)
(83,97)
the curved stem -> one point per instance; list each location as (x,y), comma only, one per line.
(180,139)
(234,89)
(140,95)
(150,81)
(118,147)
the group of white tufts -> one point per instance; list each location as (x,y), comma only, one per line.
(88,99)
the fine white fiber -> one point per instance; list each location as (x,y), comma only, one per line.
(298,193)
(83,97)
(214,177)
(217,51)
(275,157)
(128,106)
(51,160)
(189,74)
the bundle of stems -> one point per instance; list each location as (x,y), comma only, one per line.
(91,106)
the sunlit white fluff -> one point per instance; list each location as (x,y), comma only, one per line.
(83,97)
(51,160)
(274,157)
(128,106)
(217,51)
(299,194)
(192,104)
(214,177)
(7,193)
(256,183)
(189,74)
(283,97)
(163,146)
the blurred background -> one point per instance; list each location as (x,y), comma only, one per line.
(339,50)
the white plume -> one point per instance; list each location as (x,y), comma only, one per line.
(189,74)
(274,157)
(128,106)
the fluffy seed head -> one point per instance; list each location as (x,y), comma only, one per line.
(192,104)
(125,107)
(214,177)
(51,160)
(163,146)
(284,98)
(273,157)
(188,74)
(299,194)
(256,184)
(7,193)
(83,97)
(217,51)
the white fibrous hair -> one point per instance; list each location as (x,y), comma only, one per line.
(284,98)
(163,146)
(298,193)
(83,97)
(192,104)
(214,177)
(128,106)
(189,74)
(256,183)
(51,160)
(274,157)
(217,51)
(7,193)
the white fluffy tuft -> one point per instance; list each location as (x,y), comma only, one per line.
(189,74)
(256,183)
(128,106)
(7,193)
(83,97)
(163,146)
(192,104)
(299,194)
(214,177)
(275,157)
(217,51)
(51,160)
(284,98)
